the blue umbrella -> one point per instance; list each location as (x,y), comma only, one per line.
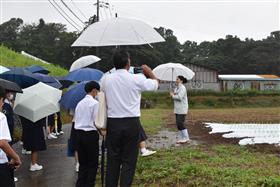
(51,81)
(84,74)
(73,96)
(20,76)
(37,69)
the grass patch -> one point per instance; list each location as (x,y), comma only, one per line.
(204,166)
(249,99)
(9,58)
(152,120)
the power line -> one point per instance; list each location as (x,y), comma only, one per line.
(61,9)
(63,16)
(71,11)
(78,9)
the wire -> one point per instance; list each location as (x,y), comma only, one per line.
(72,11)
(64,16)
(79,9)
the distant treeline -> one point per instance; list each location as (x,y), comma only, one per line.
(52,42)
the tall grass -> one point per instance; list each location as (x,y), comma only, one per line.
(9,58)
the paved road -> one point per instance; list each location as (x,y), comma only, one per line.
(58,168)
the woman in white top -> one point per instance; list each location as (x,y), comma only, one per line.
(179,96)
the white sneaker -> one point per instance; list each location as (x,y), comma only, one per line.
(51,136)
(24,152)
(148,152)
(35,167)
(182,141)
(61,132)
(15,179)
(77,167)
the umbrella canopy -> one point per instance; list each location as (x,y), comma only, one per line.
(169,71)
(83,62)
(20,76)
(51,81)
(63,82)
(3,69)
(37,69)
(73,96)
(37,102)
(118,31)
(10,86)
(84,74)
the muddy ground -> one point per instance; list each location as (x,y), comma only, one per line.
(199,133)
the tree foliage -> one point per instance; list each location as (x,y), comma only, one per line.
(229,55)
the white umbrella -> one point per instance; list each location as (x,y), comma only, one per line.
(169,71)
(37,102)
(118,31)
(3,69)
(83,62)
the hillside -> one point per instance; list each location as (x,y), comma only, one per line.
(9,58)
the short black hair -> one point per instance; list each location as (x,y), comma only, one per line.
(2,92)
(91,85)
(182,78)
(120,59)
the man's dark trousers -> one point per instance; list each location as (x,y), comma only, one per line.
(122,150)
(88,152)
(6,176)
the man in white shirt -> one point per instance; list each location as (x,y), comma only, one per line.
(87,136)
(123,95)
(6,168)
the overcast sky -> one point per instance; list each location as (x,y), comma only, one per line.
(190,20)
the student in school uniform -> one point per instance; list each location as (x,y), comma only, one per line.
(6,168)
(87,136)
(34,140)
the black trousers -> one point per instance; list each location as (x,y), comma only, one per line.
(88,151)
(6,176)
(122,150)
(180,121)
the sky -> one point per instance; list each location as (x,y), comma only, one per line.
(200,20)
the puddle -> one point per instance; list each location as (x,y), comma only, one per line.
(165,139)
(250,133)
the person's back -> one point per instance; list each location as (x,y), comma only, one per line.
(123,95)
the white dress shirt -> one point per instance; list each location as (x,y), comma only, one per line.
(4,135)
(85,114)
(123,92)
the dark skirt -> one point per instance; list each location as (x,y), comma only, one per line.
(180,121)
(33,135)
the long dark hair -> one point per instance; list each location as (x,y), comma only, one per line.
(183,79)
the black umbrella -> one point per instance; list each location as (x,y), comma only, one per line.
(10,86)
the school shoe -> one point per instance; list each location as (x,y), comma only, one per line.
(51,136)
(77,167)
(147,152)
(24,152)
(35,167)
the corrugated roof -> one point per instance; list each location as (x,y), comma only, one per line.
(249,77)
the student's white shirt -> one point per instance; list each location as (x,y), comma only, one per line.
(123,92)
(85,114)
(4,135)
